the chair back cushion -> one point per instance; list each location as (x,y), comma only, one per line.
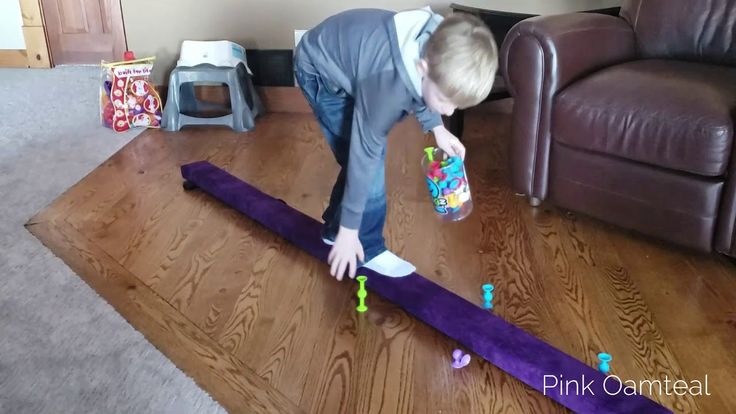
(695,30)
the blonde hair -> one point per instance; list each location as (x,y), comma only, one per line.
(462,59)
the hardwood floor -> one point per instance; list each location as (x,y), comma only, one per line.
(263,328)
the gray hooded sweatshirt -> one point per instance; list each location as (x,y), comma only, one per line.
(370,55)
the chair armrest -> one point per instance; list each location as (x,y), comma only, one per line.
(539,57)
(568,45)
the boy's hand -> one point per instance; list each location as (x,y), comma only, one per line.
(448,142)
(345,251)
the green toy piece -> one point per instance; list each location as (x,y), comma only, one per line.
(362,293)
(430,153)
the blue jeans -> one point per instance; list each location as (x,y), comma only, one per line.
(334,112)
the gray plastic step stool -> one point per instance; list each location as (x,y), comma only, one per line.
(244,100)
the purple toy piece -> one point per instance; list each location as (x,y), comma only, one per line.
(108,87)
(504,345)
(459,360)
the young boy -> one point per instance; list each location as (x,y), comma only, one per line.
(362,71)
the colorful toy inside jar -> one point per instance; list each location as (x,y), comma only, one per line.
(448,184)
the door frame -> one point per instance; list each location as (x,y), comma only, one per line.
(36,54)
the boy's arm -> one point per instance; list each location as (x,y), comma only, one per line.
(448,142)
(428,119)
(373,118)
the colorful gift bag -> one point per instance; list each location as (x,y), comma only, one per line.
(128,99)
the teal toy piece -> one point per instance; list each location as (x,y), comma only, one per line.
(603,366)
(488,295)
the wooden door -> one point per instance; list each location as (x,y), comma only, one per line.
(84,31)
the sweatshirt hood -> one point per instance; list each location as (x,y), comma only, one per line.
(412,29)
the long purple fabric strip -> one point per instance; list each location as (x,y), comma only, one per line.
(521,355)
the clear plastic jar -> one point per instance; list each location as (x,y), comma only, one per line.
(448,185)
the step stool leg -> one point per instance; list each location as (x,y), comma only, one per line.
(237,103)
(170,120)
(257,108)
(250,100)
(251,95)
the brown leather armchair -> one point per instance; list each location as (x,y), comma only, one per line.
(630,119)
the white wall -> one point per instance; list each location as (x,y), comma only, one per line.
(11,23)
(262,24)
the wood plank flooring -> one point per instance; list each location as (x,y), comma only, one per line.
(263,328)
